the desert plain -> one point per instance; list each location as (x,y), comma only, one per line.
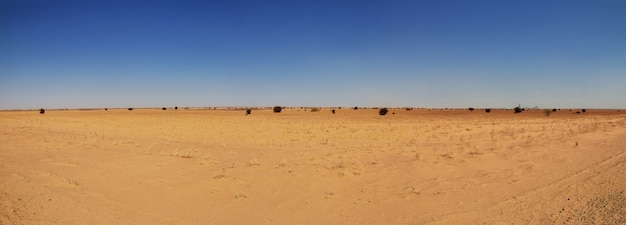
(150,166)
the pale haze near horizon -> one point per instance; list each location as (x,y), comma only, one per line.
(497,54)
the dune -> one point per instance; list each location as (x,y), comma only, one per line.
(150,166)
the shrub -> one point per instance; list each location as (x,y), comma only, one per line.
(553,110)
(333,111)
(584,110)
(164,108)
(42,111)
(518,109)
(277,109)
(488,110)
(176,108)
(383,111)
(547,112)
(355,108)
(471,109)
(315,109)
(248,111)
(130,109)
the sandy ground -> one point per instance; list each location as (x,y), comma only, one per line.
(150,166)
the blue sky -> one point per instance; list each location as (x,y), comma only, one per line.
(86,54)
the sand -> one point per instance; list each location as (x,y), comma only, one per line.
(149,166)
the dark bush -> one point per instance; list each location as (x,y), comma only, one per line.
(176,108)
(383,111)
(130,109)
(518,109)
(248,111)
(277,109)
(584,110)
(488,110)
(471,109)
(553,110)
(355,108)
(333,111)
(105,109)
(164,108)
(42,111)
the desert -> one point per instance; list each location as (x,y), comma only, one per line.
(221,166)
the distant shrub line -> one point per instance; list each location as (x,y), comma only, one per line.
(381,110)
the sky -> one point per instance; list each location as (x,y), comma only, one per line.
(437,53)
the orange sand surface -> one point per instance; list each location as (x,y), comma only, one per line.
(149,166)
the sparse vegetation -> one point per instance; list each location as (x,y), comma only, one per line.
(42,111)
(277,109)
(383,111)
(130,109)
(315,109)
(164,108)
(248,111)
(488,110)
(547,112)
(471,109)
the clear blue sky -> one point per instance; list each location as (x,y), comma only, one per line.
(84,54)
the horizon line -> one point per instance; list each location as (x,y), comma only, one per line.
(298,107)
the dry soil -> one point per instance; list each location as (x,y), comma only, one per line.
(150,166)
